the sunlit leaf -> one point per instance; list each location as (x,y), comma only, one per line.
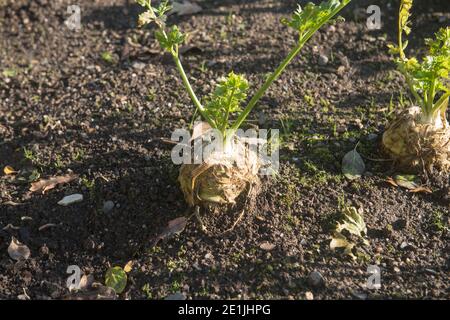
(353,165)
(116,278)
(9,170)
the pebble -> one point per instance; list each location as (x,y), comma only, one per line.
(341,70)
(138,65)
(372,137)
(108,206)
(403,245)
(309,295)
(267,246)
(323,60)
(316,280)
(209,256)
(68,200)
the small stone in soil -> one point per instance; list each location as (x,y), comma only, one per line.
(309,295)
(267,246)
(403,245)
(138,65)
(108,206)
(68,200)
(316,280)
(323,60)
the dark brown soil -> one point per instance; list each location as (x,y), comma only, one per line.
(65,108)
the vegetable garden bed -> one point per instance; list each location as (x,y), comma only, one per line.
(94,109)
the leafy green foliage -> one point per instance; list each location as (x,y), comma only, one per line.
(232,90)
(404,15)
(226,99)
(116,278)
(308,19)
(426,79)
(171,40)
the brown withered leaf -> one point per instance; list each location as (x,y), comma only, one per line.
(421,189)
(391,181)
(44,185)
(410,182)
(17,250)
(174,226)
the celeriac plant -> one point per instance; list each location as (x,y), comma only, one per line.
(231,91)
(223,177)
(419,137)
(425,79)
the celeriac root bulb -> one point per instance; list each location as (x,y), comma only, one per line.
(221,178)
(415,144)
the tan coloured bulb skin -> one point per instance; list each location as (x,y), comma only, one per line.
(416,144)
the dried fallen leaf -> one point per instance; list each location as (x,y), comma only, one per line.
(44,185)
(174,226)
(352,222)
(410,182)
(421,189)
(338,241)
(86,282)
(391,182)
(185,8)
(353,165)
(128,266)
(17,250)
(9,170)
